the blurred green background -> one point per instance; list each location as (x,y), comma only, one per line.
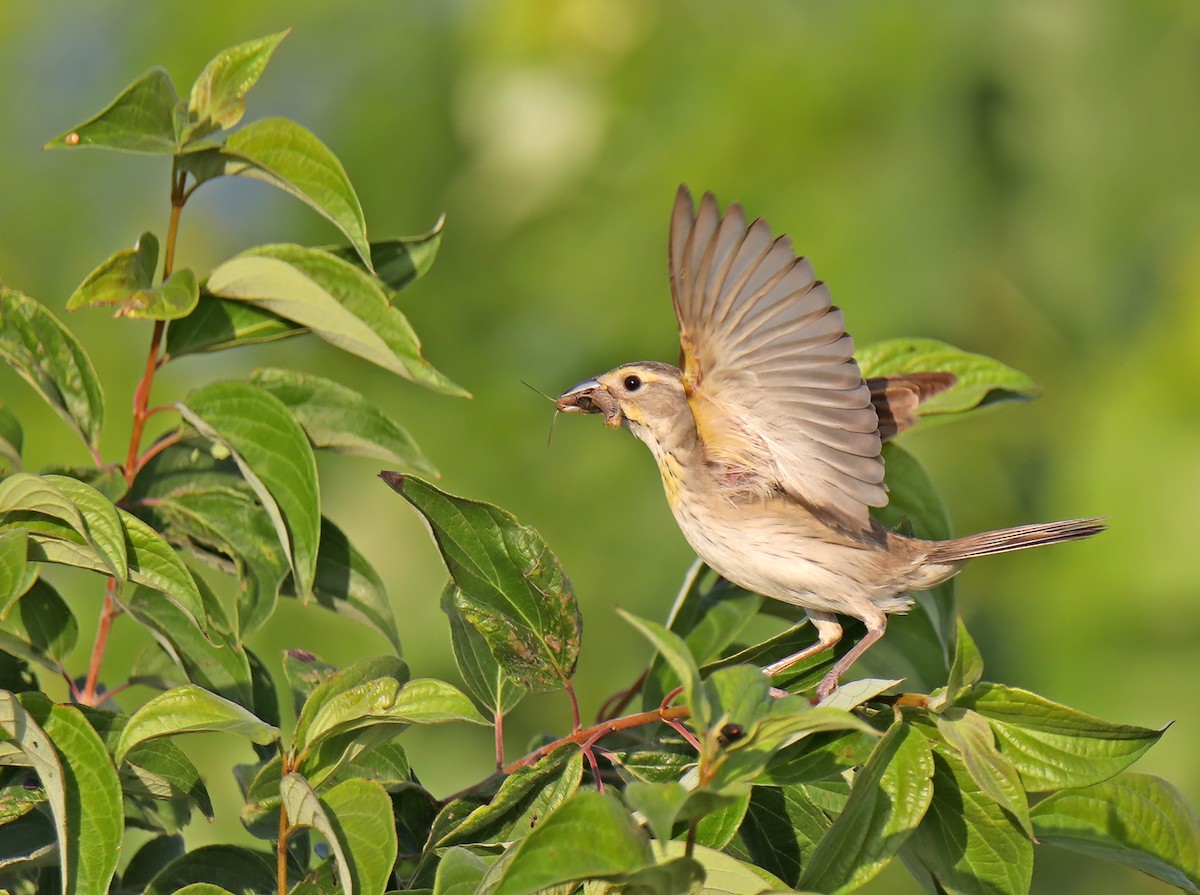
(1020,179)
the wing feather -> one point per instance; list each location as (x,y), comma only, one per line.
(768,366)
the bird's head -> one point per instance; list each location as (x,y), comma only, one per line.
(647,398)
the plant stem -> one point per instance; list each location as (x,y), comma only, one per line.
(499,729)
(141,400)
(108,612)
(570,688)
(582,735)
(281,852)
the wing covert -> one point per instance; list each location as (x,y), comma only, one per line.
(768,367)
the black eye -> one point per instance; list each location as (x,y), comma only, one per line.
(633,383)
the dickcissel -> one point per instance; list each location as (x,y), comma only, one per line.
(768,439)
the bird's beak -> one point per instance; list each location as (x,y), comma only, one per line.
(590,397)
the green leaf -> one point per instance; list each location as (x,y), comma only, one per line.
(355,817)
(148,861)
(385,674)
(789,721)
(141,119)
(16,575)
(48,621)
(981,380)
(822,756)
(336,300)
(203,505)
(275,458)
(217,100)
(659,803)
(674,650)
(523,799)
(383,701)
(459,873)
(966,841)
(90,844)
(289,157)
(104,529)
(12,438)
(109,480)
(212,659)
(966,669)
(191,709)
(718,814)
(127,280)
(969,733)
(348,585)
(47,356)
(889,797)
(1055,747)
(340,419)
(217,324)
(28,843)
(709,613)
(589,836)
(484,676)
(235,868)
(511,587)
(727,875)
(681,875)
(781,829)
(1134,819)
(304,672)
(399,261)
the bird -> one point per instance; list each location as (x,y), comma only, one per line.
(768,439)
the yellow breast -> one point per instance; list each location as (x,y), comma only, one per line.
(673,475)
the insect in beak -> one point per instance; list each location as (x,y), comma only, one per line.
(590,397)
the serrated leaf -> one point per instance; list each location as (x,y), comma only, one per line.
(140,119)
(1138,820)
(337,301)
(1055,747)
(191,709)
(966,841)
(589,836)
(981,380)
(12,439)
(481,672)
(217,99)
(399,261)
(887,801)
(511,587)
(340,419)
(274,456)
(90,845)
(47,356)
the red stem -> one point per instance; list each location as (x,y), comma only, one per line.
(109,612)
(499,729)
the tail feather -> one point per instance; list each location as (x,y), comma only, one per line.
(1019,538)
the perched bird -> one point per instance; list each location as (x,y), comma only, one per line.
(768,438)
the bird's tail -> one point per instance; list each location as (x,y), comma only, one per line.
(1019,538)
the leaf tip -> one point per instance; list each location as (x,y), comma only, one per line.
(395,480)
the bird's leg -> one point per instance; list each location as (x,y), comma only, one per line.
(829,632)
(876,625)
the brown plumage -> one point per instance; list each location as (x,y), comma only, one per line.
(768,438)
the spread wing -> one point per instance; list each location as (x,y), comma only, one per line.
(768,368)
